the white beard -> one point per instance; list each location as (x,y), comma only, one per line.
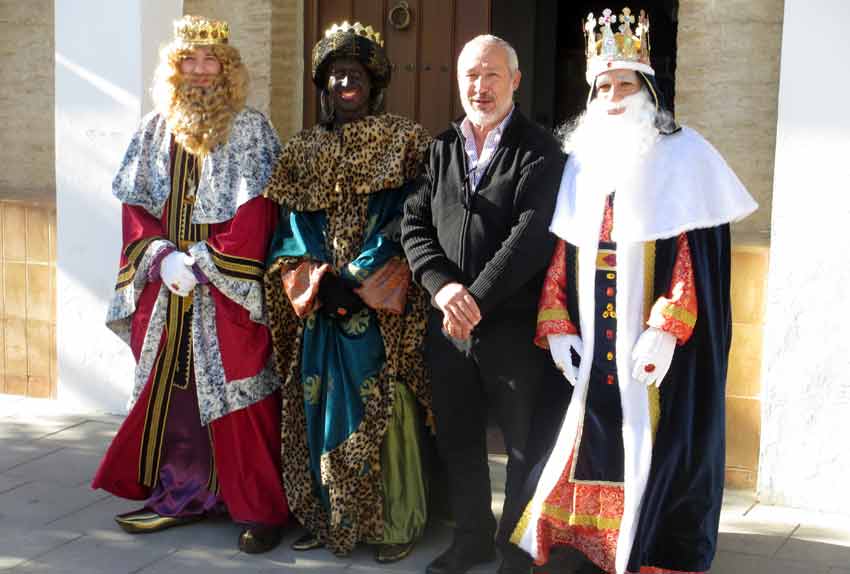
(610,147)
(486,119)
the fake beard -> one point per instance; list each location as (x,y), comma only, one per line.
(611,146)
(200,117)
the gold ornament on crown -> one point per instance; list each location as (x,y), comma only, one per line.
(200,31)
(356,28)
(626,48)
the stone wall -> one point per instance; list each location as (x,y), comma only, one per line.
(287,65)
(26,100)
(268,35)
(727,82)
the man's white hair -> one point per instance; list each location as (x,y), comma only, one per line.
(491,40)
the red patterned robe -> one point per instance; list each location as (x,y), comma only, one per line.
(204,423)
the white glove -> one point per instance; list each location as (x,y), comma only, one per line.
(176,273)
(559,346)
(652,356)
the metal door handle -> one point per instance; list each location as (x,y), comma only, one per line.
(399,16)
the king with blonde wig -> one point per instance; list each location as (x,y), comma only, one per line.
(200,118)
(204,415)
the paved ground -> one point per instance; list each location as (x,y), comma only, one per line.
(52,522)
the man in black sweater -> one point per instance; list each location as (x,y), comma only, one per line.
(476,235)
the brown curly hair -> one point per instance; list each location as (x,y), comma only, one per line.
(200,118)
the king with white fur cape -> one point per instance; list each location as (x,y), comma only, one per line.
(673,437)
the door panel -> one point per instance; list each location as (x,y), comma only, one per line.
(370,13)
(437,65)
(423,54)
(471,19)
(402,49)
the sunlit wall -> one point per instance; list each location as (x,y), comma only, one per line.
(104,55)
(805,458)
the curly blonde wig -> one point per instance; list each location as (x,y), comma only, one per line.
(199,118)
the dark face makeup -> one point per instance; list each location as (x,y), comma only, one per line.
(349,88)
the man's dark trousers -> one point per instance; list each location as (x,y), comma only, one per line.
(498,366)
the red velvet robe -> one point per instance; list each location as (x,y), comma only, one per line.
(244,433)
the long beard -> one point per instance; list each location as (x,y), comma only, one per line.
(200,118)
(610,147)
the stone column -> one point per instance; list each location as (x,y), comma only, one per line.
(269,35)
(727,72)
(806,383)
(105,55)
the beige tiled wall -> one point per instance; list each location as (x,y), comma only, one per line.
(27,299)
(743,390)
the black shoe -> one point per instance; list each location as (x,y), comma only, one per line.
(389,553)
(307,541)
(259,539)
(589,567)
(514,560)
(458,559)
(514,567)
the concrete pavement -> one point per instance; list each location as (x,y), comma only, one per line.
(52,522)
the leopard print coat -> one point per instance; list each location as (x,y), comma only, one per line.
(337,171)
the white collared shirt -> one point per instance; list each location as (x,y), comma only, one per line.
(476,164)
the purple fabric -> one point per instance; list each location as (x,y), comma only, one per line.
(186,462)
(199,275)
(153,270)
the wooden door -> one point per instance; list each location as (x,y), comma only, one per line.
(423,53)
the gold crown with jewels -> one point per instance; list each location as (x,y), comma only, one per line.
(200,31)
(356,28)
(627,48)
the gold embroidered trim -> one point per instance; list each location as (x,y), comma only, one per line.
(212,481)
(552,315)
(177,327)
(601,263)
(134,253)
(653,392)
(679,314)
(160,397)
(522,525)
(137,249)
(586,520)
(242,267)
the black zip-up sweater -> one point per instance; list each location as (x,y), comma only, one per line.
(495,239)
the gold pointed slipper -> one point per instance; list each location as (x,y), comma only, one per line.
(144,521)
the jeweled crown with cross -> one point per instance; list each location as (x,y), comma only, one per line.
(627,48)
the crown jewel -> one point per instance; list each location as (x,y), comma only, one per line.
(627,48)
(356,28)
(201,31)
